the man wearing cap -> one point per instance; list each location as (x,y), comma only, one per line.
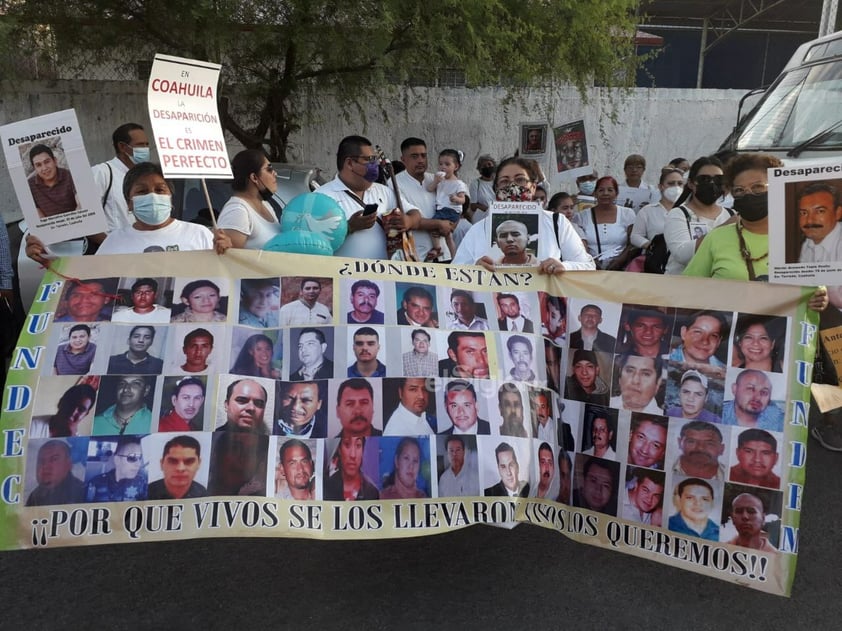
(585,384)
(692,395)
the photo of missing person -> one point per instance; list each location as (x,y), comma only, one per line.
(259,302)
(88,300)
(201,300)
(49,178)
(514,238)
(571,147)
(813,212)
(533,139)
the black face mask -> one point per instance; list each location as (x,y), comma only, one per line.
(752,207)
(707,192)
(486,171)
(265,194)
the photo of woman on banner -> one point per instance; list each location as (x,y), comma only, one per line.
(238,464)
(201,301)
(257,355)
(72,416)
(759,342)
(405,467)
(349,461)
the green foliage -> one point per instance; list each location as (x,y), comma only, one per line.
(274,52)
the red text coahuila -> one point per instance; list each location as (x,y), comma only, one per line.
(183,89)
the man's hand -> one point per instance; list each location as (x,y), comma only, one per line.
(395,222)
(358,221)
(37,251)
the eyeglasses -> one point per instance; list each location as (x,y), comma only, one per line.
(758,188)
(369,159)
(520,180)
(269,168)
(130,458)
(707,179)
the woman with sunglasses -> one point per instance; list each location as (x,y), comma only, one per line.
(247,218)
(695,213)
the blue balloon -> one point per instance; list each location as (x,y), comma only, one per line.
(300,242)
(316,214)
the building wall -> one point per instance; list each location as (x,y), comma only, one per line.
(658,123)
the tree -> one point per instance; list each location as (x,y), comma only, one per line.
(279,54)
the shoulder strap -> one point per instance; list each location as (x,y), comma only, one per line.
(110,182)
(556,219)
(596,231)
(687,219)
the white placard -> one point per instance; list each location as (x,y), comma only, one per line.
(185,120)
(52,177)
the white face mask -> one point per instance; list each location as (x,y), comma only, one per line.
(672,193)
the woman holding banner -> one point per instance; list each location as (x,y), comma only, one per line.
(247,218)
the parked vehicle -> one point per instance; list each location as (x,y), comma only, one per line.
(799,116)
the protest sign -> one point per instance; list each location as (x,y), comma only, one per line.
(240,398)
(52,177)
(185,119)
(805,235)
(571,150)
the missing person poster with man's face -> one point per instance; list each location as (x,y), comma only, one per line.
(52,177)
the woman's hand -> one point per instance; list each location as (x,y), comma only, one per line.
(221,241)
(551,266)
(37,251)
(819,300)
(487,262)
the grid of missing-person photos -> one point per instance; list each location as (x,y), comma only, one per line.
(316,388)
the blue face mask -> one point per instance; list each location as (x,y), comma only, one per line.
(587,187)
(140,154)
(372,172)
(152,209)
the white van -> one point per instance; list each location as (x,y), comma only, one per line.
(799,116)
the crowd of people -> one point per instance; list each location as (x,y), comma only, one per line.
(705,218)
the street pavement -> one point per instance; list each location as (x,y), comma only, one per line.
(477,578)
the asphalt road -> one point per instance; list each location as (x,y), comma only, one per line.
(477,578)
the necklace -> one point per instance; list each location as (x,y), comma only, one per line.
(747,254)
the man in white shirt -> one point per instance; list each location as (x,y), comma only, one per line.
(412,183)
(819,212)
(131,146)
(459,479)
(354,188)
(306,309)
(602,433)
(410,417)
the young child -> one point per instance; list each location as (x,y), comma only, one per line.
(450,193)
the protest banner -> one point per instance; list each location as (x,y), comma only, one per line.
(185,119)
(241,398)
(52,177)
